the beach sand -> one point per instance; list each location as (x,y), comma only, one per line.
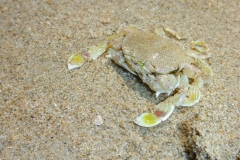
(49,112)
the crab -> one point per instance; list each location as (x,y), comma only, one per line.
(162,63)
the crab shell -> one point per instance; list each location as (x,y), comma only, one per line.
(157,60)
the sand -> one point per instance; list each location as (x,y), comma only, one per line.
(48,112)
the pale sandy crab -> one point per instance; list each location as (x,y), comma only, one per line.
(160,62)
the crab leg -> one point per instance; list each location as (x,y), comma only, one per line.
(206,70)
(163,31)
(187,96)
(77,59)
(93,52)
(164,109)
(199,50)
(193,72)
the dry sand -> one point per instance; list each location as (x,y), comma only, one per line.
(47,112)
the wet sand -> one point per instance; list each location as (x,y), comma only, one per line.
(48,112)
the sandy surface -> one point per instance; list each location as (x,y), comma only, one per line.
(47,112)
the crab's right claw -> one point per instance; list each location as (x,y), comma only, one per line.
(153,119)
(75,60)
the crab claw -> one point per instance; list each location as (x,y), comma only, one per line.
(75,60)
(153,119)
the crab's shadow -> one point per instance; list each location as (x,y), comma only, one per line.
(134,83)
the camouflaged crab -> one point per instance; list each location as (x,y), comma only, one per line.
(160,62)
